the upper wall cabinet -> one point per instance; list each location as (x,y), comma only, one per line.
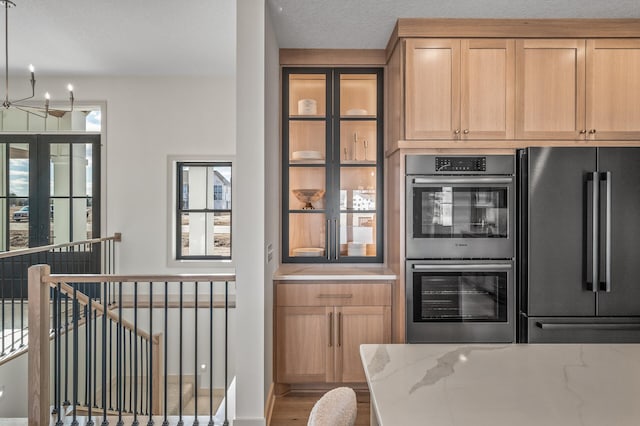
(613,89)
(577,89)
(459,89)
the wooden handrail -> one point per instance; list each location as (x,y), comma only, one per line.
(97,278)
(116,237)
(83,299)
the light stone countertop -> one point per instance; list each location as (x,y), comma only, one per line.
(316,272)
(504,385)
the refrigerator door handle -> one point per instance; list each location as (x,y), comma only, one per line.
(593,179)
(607,232)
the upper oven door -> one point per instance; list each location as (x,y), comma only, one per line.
(454,217)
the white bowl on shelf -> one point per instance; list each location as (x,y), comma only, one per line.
(308,251)
(306,155)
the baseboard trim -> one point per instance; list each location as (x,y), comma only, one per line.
(271,401)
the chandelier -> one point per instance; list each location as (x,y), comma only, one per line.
(40,111)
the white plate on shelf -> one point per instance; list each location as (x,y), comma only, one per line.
(308,251)
(356,111)
(306,155)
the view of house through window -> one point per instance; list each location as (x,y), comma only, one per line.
(203,229)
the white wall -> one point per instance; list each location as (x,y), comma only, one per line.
(147,120)
(272,187)
(13,377)
(250,208)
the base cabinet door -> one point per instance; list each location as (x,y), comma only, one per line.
(319,328)
(357,325)
(305,341)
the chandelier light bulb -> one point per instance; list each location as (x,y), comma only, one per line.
(31,68)
(47,96)
(70,87)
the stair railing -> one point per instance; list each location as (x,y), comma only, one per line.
(122,341)
(97,255)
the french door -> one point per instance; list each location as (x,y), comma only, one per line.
(49,189)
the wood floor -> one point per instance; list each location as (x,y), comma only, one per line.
(293,410)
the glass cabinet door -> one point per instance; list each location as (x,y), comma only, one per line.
(331,176)
(305,129)
(360,181)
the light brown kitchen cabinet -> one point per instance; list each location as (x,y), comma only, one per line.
(459,89)
(613,89)
(320,327)
(550,89)
(578,89)
(304,344)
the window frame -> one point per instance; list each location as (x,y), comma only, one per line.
(176,257)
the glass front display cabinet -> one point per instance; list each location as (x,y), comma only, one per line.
(332,165)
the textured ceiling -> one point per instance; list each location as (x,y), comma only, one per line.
(117,37)
(197,37)
(367,24)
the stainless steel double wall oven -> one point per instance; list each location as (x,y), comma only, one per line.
(460,245)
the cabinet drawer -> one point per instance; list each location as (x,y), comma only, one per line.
(333,294)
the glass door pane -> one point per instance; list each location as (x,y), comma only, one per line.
(307,95)
(307,142)
(358,142)
(358,219)
(307,235)
(358,95)
(18,196)
(460,296)
(460,212)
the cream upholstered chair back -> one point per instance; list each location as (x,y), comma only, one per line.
(338,407)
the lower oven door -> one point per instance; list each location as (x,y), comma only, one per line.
(460,301)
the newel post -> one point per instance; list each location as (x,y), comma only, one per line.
(38,357)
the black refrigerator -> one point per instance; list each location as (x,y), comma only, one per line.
(578,245)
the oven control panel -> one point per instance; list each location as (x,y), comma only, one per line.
(461,164)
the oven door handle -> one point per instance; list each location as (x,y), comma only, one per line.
(464,267)
(464,180)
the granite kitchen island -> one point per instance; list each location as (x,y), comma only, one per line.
(503,385)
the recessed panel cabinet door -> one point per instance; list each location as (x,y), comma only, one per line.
(488,86)
(432,89)
(357,325)
(613,89)
(305,344)
(550,89)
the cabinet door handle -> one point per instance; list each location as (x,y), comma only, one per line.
(593,179)
(607,227)
(583,131)
(330,329)
(326,242)
(339,329)
(592,131)
(334,296)
(456,132)
(466,131)
(337,235)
